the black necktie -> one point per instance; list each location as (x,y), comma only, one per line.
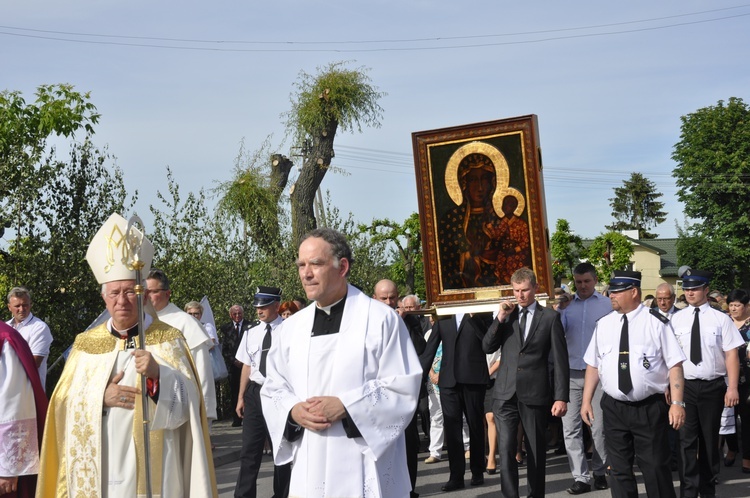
(625,383)
(522,323)
(237,328)
(265,348)
(695,340)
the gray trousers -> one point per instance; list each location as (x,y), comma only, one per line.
(573,431)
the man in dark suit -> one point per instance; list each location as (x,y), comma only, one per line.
(231,335)
(531,337)
(463,384)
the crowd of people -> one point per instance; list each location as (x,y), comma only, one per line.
(336,389)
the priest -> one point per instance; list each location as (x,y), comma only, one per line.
(342,383)
(23,406)
(93,440)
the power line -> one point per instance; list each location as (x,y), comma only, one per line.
(360,42)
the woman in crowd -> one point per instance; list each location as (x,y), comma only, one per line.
(739,309)
(287,309)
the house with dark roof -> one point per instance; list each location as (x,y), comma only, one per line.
(656,259)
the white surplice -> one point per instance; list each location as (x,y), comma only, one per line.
(199,343)
(19,443)
(372,367)
(94,451)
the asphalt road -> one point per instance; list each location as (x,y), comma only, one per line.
(733,483)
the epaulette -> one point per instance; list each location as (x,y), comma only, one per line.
(597,320)
(655,312)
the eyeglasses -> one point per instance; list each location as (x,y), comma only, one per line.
(158,290)
(196,314)
(128,293)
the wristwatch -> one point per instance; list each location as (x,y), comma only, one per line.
(679,403)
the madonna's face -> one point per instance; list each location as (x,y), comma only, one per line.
(480,184)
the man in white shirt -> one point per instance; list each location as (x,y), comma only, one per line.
(253,354)
(665,298)
(635,356)
(31,328)
(710,340)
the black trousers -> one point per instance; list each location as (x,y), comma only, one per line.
(534,418)
(234,389)
(699,437)
(468,400)
(743,410)
(638,431)
(254,434)
(411,435)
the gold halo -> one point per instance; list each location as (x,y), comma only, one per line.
(497,201)
(502,176)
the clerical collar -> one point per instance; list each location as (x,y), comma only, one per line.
(328,318)
(131,333)
(329,308)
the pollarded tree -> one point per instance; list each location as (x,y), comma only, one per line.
(253,196)
(635,206)
(336,97)
(713,176)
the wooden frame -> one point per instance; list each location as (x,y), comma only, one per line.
(482,210)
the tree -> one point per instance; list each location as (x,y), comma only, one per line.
(336,97)
(608,252)
(699,251)
(565,248)
(24,130)
(407,239)
(254,194)
(713,177)
(635,206)
(49,257)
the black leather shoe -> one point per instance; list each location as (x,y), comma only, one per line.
(579,487)
(453,485)
(477,480)
(600,482)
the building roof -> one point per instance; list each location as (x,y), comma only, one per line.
(665,248)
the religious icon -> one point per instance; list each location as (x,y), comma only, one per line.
(481,209)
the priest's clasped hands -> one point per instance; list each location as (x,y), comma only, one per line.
(124,396)
(318,412)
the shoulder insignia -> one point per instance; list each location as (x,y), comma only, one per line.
(613,311)
(655,312)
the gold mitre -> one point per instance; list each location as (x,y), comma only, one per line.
(110,254)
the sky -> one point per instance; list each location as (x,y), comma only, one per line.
(183,84)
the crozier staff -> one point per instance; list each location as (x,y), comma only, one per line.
(93,440)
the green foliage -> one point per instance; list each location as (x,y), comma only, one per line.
(566,249)
(713,176)
(334,94)
(408,269)
(250,197)
(608,252)
(696,250)
(334,97)
(635,206)
(49,258)
(24,130)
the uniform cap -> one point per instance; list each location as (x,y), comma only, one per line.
(624,280)
(266,295)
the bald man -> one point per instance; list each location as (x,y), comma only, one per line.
(386,291)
